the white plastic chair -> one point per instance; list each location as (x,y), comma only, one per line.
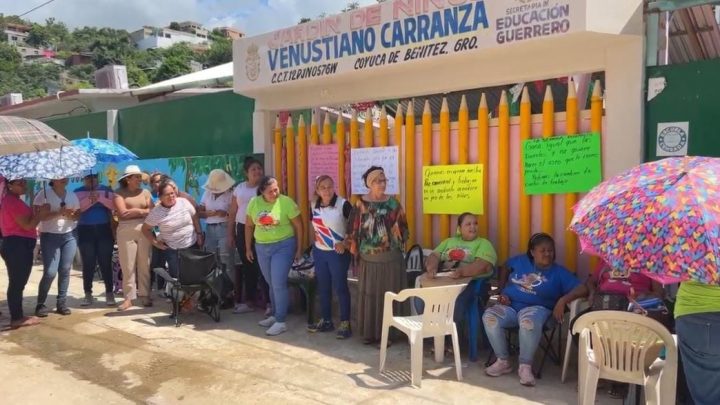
(415,262)
(436,321)
(576,307)
(625,347)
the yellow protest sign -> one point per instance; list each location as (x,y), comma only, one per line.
(453,189)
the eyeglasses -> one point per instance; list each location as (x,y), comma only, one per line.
(380,181)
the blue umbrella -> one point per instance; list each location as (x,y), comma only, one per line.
(105,151)
(47,164)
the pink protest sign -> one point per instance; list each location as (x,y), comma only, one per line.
(322,160)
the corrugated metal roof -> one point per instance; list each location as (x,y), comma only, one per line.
(694,35)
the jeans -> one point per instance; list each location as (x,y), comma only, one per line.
(246,276)
(530,322)
(275,260)
(698,337)
(58,253)
(96,248)
(216,242)
(17,252)
(331,271)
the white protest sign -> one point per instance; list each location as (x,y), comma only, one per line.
(362,158)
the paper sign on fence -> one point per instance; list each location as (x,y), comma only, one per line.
(362,158)
(453,189)
(562,164)
(322,160)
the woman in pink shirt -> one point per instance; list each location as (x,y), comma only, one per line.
(18,223)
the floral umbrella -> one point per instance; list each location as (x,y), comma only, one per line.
(660,218)
(105,151)
(47,164)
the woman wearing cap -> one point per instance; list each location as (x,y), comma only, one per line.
(95,236)
(133,204)
(214,207)
(18,223)
(178,223)
(58,243)
(247,275)
(377,230)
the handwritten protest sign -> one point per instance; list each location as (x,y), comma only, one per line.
(562,164)
(362,158)
(322,160)
(453,189)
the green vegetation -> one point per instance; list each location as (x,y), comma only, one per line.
(105,46)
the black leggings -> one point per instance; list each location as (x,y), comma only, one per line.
(247,275)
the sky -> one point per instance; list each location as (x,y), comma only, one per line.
(251,16)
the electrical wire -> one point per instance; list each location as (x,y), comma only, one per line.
(35,8)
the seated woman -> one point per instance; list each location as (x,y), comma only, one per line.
(610,288)
(464,255)
(538,288)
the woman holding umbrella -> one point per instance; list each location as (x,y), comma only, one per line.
(17,224)
(58,242)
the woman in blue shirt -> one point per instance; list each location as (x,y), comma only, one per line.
(533,287)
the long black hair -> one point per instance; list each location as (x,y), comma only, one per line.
(538,239)
(265,183)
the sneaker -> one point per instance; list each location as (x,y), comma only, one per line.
(110,299)
(41,311)
(321,326)
(344,331)
(499,368)
(267,322)
(62,309)
(526,375)
(276,329)
(87,301)
(242,309)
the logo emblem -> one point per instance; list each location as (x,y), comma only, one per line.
(252,63)
(672,139)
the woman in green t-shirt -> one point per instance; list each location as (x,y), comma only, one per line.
(274,221)
(464,255)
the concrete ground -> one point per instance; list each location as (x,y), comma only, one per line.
(98,355)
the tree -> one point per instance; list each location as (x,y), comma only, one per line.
(10,58)
(38,36)
(176,62)
(83,72)
(351,5)
(303,20)
(136,76)
(174,26)
(220,52)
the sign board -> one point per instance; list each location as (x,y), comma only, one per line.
(322,160)
(453,189)
(393,33)
(361,159)
(562,164)
(672,138)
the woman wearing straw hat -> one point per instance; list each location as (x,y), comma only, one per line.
(214,207)
(377,231)
(133,204)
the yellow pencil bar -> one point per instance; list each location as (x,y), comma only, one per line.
(368,133)
(290,139)
(463,132)
(572,115)
(384,129)
(303,175)
(524,199)
(444,159)
(503,209)
(596,124)
(410,170)
(340,137)
(314,135)
(327,130)
(277,151)
(548,130)
(484,159)
(427,230)
(354,144)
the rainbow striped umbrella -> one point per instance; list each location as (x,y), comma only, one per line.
(660,218)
